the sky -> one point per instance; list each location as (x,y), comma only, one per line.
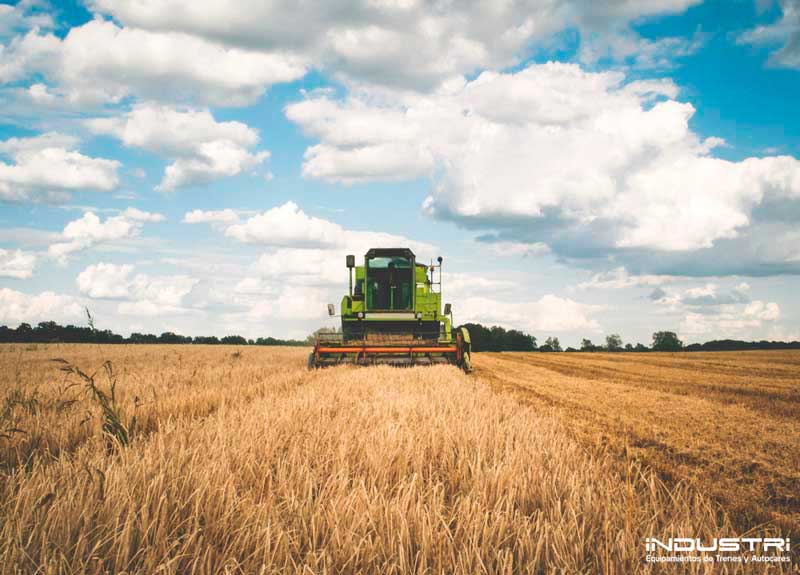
(583,168)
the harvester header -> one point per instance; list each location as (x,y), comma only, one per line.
(392,314)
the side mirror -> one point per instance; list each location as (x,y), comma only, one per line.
(447,309)
(331,309)
(351,261)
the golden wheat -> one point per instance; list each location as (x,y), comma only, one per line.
(241,461)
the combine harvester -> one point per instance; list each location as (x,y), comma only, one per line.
(393,316)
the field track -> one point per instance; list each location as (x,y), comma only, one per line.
(242,461)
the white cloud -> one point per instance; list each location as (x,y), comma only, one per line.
(462,285)
(521,249)
(304,258)
(255,286)
(549,313)
(23,16)
(368,41)
(553,153)
(353,150)
(201,148)
(48,167)
(784,32)
(625,46)
(16,264)
(289,226)
(731,322)
(297,303)
(100,62)
(763,311)
(17,307)
(148,308)
(143,294)
(164,290)
(226,216)
(89,230)
(619,278)
(310,267)
(704,296)
(104,280)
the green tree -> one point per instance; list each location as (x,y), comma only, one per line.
(613,342)
(551,344)
(666,341)
(587,345)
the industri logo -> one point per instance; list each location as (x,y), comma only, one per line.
(718,550)
(724,544)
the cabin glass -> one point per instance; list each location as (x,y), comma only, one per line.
(390,282)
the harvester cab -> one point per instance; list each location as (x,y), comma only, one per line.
(392,315)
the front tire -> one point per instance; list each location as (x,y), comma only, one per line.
(312,361)
(466,363)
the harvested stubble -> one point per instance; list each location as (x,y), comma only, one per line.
(728,422)
(251,464)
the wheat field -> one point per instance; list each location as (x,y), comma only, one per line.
(238,460)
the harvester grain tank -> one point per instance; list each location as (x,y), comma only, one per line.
(393,315)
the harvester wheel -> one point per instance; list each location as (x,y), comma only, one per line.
(467,363)
(312,363)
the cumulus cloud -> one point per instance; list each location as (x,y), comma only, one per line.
(550,313)
(201,148)
(522,249)
(712,311)
(310,267)
(226,216)
(303,260)
(297,303)
(289,226)
(709,294)
(142,294)
(620,44)
(784,32)
(707,298)
(730,322)
(22,17)
(16,264)
(18,307)
(100,62)
(352,150)
(304,257)
(552,153)
(619,278)
(89,230)
(368,41)
(763,311)
(49,167)
(104,280)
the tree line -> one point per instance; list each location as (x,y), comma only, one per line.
(498,339)
(494,338)
(51,332)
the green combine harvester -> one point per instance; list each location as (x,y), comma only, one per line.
(393,315)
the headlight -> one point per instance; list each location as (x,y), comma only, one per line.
(360,315)
(419,315)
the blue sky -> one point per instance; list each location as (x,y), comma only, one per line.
(583,168)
